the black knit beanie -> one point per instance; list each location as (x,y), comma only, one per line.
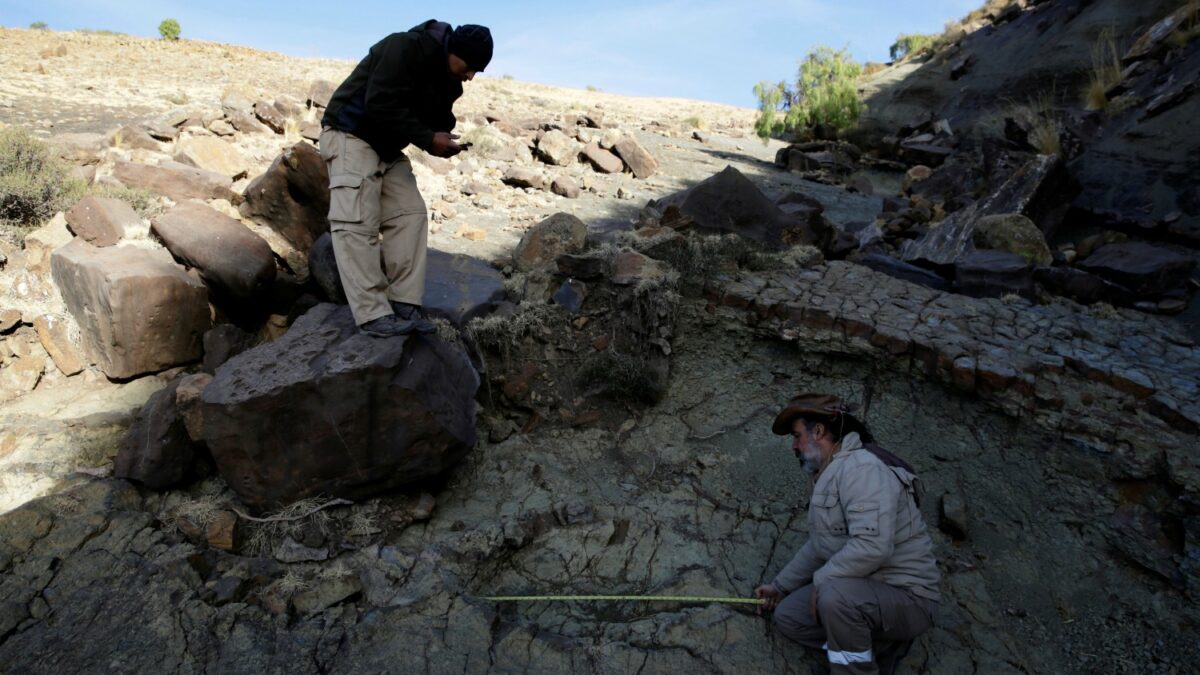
(472,44)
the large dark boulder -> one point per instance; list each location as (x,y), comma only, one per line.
(292,197)
(235,263)
(458,287)
(1083,287)
(326,410)
(157,451)
(1146,269)
(728,202)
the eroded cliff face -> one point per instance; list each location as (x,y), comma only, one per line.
(1129,145)
(1069,561)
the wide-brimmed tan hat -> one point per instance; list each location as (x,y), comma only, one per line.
(817,405)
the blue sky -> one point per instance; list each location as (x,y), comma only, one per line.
(703,49)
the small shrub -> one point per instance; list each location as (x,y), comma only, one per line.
(506,76)
(826,94)
(169,29)
(39,25)
(872,67)
(1039,115)
(695,122)
(914,44)
(1106,71)
(34,184)
(145,202)
(101,31)
(485,141)
(592,87)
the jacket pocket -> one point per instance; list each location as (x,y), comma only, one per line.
(345,202)
(827,513)
(863,518)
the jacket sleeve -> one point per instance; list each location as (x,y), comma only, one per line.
(390,88)
(868,494)
(800,570)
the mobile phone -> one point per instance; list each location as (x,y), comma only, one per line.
(465,146)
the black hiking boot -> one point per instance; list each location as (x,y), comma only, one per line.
(416,315)
(388,326)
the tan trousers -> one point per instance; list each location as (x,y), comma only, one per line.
(865,626)
(369,198)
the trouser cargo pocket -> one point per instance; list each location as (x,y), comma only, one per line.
(345,199)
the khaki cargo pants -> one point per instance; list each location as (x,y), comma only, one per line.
(369,199)
(865,626)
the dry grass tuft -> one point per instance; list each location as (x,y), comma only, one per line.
(265,536)
(1040,115)
(1106,71)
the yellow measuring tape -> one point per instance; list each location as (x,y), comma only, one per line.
(637,598)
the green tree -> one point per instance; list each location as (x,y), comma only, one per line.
(912,44)
(169,29)
(39,25)
(826,93)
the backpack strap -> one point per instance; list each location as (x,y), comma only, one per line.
(912,484)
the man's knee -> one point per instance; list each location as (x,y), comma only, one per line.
(837,598)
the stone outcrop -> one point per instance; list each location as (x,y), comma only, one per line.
(138,311)
(543,243)
(236,263)
(1149,271)
(292,197)
(349,415)
(728,202)
(178,181)
(157,452)
(211,154)
(101,221)
(636,157)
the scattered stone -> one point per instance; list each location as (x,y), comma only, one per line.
(472,233)
(247,124)
(235,263)
(211,154)
(586,267)
(602,160)
(161,131)
(188,402)
(1146,269)
(224,342)
(310,131)
(133,138)
(292,197)
(460,288)
(555,147)
(138,311)
(522,177)
(570,296)
(630,268)
(177,181)
(291,551)
(543,243)
(439,165)
(1083,287)
(157,451)
(902,270)
(563,186)
(319,93)
(223,532)
(326,593)
(9,319)
(861,184)
(20,376)
(271,116)
(222,127)
(637,158)
(380,413)
(101,221)
(43,242)
(52,331)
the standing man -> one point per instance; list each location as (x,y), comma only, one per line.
(865,584)
(401,93)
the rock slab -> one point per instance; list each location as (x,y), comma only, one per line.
(292,197)
(138,311)
(234,262)
(101,221)
(326,410)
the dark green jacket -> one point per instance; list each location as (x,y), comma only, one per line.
(401,93)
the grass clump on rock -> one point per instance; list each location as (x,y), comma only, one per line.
(34,184)
(914,44)
(1106,71)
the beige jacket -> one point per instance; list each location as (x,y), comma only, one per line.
(863,523)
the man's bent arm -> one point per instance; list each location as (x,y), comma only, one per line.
(800,570)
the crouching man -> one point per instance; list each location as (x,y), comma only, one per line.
(865,584)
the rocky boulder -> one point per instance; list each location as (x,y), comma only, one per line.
(1014,233)
(292,197)
(1146,269)
(211,154)
(138,311)
(521,177)
(637,158)
(729,202)
(602,160)
(236,263)
(157,451)
(349,415)
(554,147)
(101,221)
(177,181)
(559,234)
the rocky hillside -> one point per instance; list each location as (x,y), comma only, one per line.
(204,467)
